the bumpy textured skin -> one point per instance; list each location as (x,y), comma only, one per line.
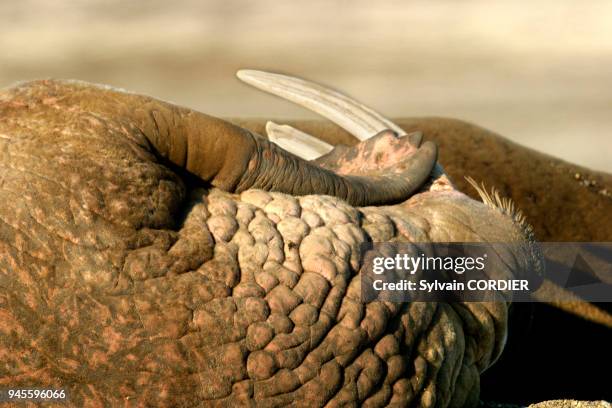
(563,202)
(571,404)
(125,286)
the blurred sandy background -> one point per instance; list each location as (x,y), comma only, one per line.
(539,72)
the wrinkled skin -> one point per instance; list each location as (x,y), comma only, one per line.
(125,284)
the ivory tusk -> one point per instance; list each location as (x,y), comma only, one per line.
(297,142)
(356,118)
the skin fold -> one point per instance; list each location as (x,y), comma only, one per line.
(151,255)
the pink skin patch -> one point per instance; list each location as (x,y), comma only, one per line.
(383,153)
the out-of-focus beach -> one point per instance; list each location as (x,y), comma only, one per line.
(538,73)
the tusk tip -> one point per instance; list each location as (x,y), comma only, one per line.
(271,126)
(244,73)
